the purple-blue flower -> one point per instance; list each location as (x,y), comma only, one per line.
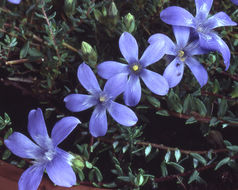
(235,2)
(102,100)
(136,69)
(45,153)
(14,1)
(182,54)
(202,25)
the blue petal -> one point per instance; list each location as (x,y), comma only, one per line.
(198,70)
(79,102)
(22,146)
(215,43)
(194,48)
(109,69)
(98,122)
(153,53)
(14,1)
(128,47)
(220,19)
(63,128)
(87,78)
(60,172)
(36,126)
(203,8)
(177,16)
(174,72)
(181,34)
(116,85)
(122,114)
(169,44)
(31,178)
(132,92)
(155,82)
(235,2)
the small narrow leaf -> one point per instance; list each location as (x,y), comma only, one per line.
(162,112)
(199,158)
(193,177)
(177,155)
(148,150)
(167,156)
(222,162)
(176,166)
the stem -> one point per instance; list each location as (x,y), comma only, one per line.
(166,148)
(51,33)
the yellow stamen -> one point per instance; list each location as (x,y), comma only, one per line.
(181,53)
(135,67)
(102,99)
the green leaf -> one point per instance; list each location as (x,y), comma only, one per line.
(176,166)
(199,158)
(214,122)
(125,148)
(222,108)
(139,179)
(98,174)
(24,50)
(193,177)
(222,162)
(177,154)
(6,155)
(167,156)
(148,150)
(188,104)
(88,164)
(162,112)
(8,133)
(174,102)
(164,170)
(155,102)
(233,148)
(114,144)
(124,178)
(201,108)
(190,120)
(34,52)
(81,174)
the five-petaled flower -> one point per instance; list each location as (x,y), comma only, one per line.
(136,69)
(102,100)
(45,152)
(235,2)
(14,1)
(202,25)
(181,53)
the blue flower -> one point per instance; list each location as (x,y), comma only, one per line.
(14,1)
(182,54)
(235,2)
(45,152)
(202,25)
(136,69)
(102,100)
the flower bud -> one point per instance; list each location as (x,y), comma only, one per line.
(113,11)
(77,162)
(69,7)
(129,22)
(89,54)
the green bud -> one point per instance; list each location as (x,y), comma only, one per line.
(77,162)
(129,22)
(113,11)
(97,15)
(89,54)
(69,7)
(104,11)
